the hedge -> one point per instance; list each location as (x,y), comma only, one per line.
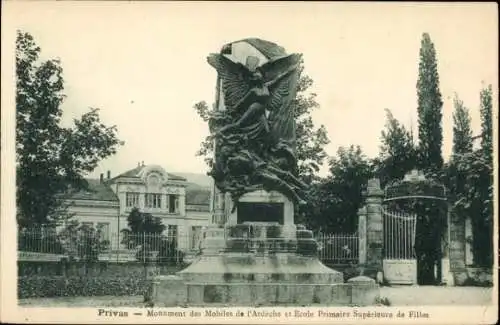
(72,286)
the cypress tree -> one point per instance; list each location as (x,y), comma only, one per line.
(429,109)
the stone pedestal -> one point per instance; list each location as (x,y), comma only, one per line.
(247,279)
(260,265)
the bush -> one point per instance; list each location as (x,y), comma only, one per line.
(60,286)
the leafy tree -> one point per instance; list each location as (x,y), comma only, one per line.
(462,146)
(470,178)
(429,109)
(483,226)
(397,151)
(486,124)
(83,242)
(310,140)
(144,234)
(333,202)
(141,225)
(462,132)
(50,159)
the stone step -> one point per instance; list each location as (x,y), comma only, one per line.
(173,291)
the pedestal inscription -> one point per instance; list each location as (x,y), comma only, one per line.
(260,212)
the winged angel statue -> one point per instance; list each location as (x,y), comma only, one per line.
(255,134)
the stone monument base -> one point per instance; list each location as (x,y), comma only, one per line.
(251,269)
(173,291)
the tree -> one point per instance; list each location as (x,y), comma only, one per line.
(486,124)
(483,224)
(333,202)
(462,146)
(310,140)
(462,132)
(140,225)
(470,178)
(83,242)
(429,109)
(397,151)
(50,159)
(144,234)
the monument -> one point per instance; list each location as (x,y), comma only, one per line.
(257,256)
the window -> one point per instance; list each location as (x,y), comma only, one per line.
(132,199)
(153,200)
(103,228)
(173,203)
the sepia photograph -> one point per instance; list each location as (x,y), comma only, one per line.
(249,162)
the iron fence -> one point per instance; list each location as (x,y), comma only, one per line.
(159,248)
(338,249)
(90,247)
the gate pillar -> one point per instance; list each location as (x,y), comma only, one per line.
(362,236)
(374,228)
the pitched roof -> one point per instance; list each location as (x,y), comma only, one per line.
(96,191)
(135,172)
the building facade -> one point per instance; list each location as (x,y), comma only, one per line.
(184,207)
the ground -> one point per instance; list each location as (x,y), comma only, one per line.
(437,295)
(397,295)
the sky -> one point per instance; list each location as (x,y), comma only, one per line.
(144,65)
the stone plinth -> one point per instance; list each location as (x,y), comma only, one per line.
(242,275)
(251,268)
(288,279)
(269,294)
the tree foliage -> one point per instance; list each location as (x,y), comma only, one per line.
(456,170)
(50,159)
(83,242)
(397,152)
(470,176)
(334,201)
(140,226)
(486,110)
(310,140)
(430,134)
(143,234)
(462,132)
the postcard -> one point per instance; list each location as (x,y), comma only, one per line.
(249,162)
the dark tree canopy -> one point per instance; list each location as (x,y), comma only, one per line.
(51,159)
(141,222)
(333,202)
(397,152)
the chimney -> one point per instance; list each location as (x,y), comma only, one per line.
(101,178)
(138,164)
(109,174)
(143,163)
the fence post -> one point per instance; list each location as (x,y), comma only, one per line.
(362,235)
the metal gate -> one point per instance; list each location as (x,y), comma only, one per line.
(400,263)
